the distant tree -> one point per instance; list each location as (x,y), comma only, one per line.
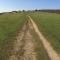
(36,10)
(23,11)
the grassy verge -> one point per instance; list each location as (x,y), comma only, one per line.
(49,25)
(10,24)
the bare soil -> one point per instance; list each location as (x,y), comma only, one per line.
(24,47)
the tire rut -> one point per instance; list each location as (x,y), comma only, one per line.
(29,53)
(24,47)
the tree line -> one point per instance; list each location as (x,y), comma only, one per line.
(36,10)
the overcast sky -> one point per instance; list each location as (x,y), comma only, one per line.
(9,5)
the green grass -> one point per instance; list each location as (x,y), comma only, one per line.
(49,25)
(10,24)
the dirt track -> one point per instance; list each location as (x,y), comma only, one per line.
(24,46)
(51,52)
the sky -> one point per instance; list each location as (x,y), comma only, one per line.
(10,5)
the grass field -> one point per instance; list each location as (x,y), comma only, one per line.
(49,25)
(10,24)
